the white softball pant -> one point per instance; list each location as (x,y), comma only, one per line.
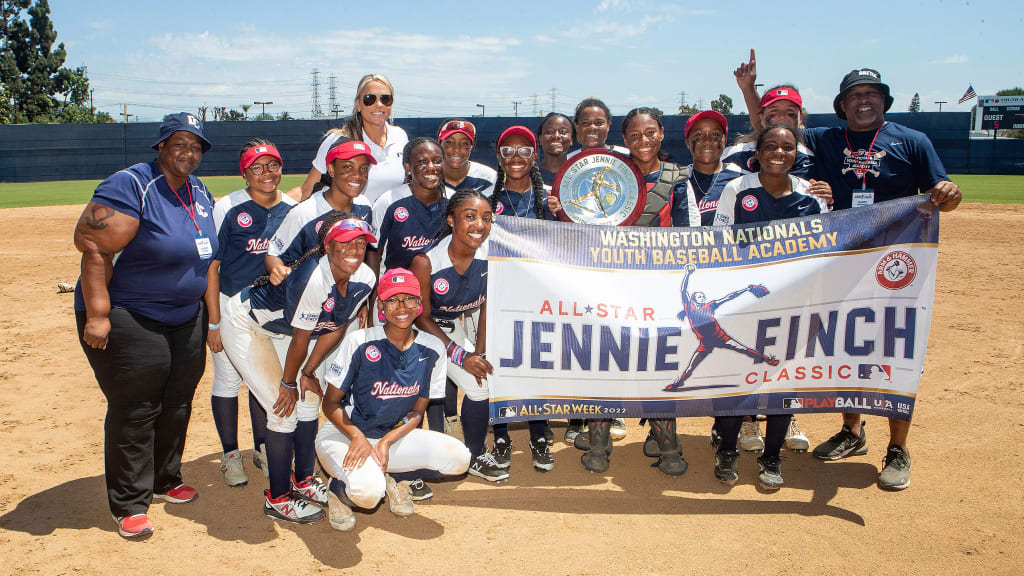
(464,334)
(417,450)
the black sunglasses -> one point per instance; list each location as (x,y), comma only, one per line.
(371,99)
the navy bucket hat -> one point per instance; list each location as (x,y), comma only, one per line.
(181,122)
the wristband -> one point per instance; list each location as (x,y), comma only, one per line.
(309,374)
(457,354)
(291,386)
(213,326)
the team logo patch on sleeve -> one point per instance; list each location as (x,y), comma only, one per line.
(401,214)
(749,203)
(441,286)
(329,304)
(372,354)
(244,220)
(316,228)
(500,209)
(895,270)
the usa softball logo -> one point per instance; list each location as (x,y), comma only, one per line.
(897,269)
(401,214)
(329,305)
(372,354)
(441,286)
(244,220)
(749,202)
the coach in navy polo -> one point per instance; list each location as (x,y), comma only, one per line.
(139,316)
(869,161)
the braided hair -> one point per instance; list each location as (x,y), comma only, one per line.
(454,202)
(315,252)
(252,144)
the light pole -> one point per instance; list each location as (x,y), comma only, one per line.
(264,105)
(940,103)
(483,109)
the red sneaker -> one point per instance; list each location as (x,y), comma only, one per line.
(182,494)
(134,526)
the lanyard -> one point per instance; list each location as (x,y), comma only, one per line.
(187,207)
(519,204)
(862,167)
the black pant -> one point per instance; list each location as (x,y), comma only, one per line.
(148,373)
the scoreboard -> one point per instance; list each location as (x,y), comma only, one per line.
(1002,112)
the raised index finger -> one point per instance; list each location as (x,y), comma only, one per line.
(752,59)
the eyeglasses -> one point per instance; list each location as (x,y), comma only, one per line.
(650,134)
(272,167)
(371,99)
(409,302)
(524,152)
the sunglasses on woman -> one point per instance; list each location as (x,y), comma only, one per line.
(371,99)
(524,152)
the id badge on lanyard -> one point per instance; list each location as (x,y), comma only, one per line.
(863,197)
(203,246)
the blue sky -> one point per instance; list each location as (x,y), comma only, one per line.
(444,58)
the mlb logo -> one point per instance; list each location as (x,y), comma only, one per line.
(260,149)
(329,305)
(507,412)
(880,372)
(244,220)
(372,354)
(792,403)
(441,286)
(749,203)
(398,279)
(782,92)
(401,214)
(359,146)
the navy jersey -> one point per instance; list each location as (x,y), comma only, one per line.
(308,299)
(745,201)
(521,204)
(159,274)
(453,294)
(244,230)
(741,156)
(382,383)
(548,178)
(903,162)
(406,226)
(297,234)
(480,178)
(706,190)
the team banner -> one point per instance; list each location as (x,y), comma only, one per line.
(826,313)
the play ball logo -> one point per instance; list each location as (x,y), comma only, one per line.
(441,286)
(749,203)
(329,305)
(401,214)
(244,220)
(897,269)
(372,354)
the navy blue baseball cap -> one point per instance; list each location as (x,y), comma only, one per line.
(181,122)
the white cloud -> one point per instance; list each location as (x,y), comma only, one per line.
(954,59)
(607,5)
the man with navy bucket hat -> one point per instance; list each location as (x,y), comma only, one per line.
(872,160)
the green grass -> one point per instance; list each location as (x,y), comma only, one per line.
(976,188)
(67,192)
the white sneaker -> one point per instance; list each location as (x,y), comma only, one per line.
(796,440)
(339,513)
(234,472)
(453,427)
(311,490)
(618,429)
(259,459)
(399,501)
(291,509)
(750,436)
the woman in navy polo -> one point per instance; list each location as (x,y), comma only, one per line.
(378,388)
(140,319)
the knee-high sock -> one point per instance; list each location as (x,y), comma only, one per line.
(451,398)
(258,416)
(474,424)
(500,431)
(435,415)
(305,452)
(225,418)
(729,429)
(775,433)
(280,446)
(537,427)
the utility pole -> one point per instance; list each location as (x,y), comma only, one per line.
(92,108)
(515,107)
(264,105)
(940,103)
(554,95)
(126,114)
(483,110)
(682,98)
(316,112)
(535,104)
(332,96)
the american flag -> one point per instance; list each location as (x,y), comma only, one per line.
(970,93)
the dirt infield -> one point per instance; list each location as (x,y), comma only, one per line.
(962,515)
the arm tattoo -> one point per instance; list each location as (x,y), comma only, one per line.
(95,220)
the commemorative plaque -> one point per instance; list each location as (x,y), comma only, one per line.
(600,187)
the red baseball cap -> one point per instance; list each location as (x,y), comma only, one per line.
(520,130)
(782,93)
(252,154)
(398,281)
(349,229)
(457,126)
(716,116)
(348,148)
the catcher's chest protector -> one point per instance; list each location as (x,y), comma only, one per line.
(658,196)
